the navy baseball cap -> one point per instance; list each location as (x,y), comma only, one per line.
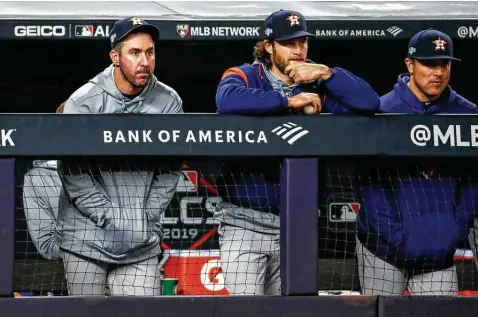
(127,26)
(431,44)
(285,25)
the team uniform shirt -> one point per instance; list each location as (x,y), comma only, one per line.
(414,212)
(251,89)
(111,210)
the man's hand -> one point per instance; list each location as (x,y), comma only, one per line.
(305,99)
(302,72)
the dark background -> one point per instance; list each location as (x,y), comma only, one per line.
(37,75)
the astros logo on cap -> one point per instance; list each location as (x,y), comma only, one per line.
(294,20)
(440,44)
(136,21)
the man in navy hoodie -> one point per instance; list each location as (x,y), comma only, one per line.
(415,212)
(280,82)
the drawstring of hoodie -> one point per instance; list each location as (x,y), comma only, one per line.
(137,106)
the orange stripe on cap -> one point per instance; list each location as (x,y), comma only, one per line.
(235,71)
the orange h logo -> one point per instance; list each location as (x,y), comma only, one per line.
(294,20)
(136,21)
(440,44)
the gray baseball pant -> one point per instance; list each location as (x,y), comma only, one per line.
(250,261)
(378,277)
(91,278)
(473,240)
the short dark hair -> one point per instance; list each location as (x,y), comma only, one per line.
(118,46)
(261,54)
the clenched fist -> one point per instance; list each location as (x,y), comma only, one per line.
(306,99)
(302,72)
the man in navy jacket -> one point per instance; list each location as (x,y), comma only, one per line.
(415,212)
(280,82)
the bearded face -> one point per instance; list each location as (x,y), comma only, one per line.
(137,59)
(285,52)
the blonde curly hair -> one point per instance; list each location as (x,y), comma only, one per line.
(261,54)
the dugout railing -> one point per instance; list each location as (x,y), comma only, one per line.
(303,141)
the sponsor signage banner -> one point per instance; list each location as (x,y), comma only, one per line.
(213,135)
(236,30)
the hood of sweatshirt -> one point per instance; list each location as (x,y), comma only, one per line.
(401,88)
(105,81)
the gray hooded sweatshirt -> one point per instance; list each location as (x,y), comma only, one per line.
(41,192)
(111,210)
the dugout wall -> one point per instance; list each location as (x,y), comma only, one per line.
(392,138)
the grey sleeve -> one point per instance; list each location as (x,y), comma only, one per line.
(72,108)
(161,192)
(176,105)
(82,189)
(40,219)
(473,240)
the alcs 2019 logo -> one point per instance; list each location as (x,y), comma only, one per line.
(188,221)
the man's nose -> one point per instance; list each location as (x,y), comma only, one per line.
(297,46)
(144,61)
(438,70)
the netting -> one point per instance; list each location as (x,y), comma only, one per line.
(242,256)
(398,226)
(96,211)
(38,269)
(188,233)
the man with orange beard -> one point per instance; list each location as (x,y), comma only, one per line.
(280,82)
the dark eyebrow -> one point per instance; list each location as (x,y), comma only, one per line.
(138,49)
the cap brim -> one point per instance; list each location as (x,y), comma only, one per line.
(146,28)
(436,57)
(295,35)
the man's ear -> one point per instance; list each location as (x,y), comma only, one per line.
(268,47)
(114,55)
(410,65)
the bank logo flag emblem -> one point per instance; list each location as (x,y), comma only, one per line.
(394,30)
(290,132)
